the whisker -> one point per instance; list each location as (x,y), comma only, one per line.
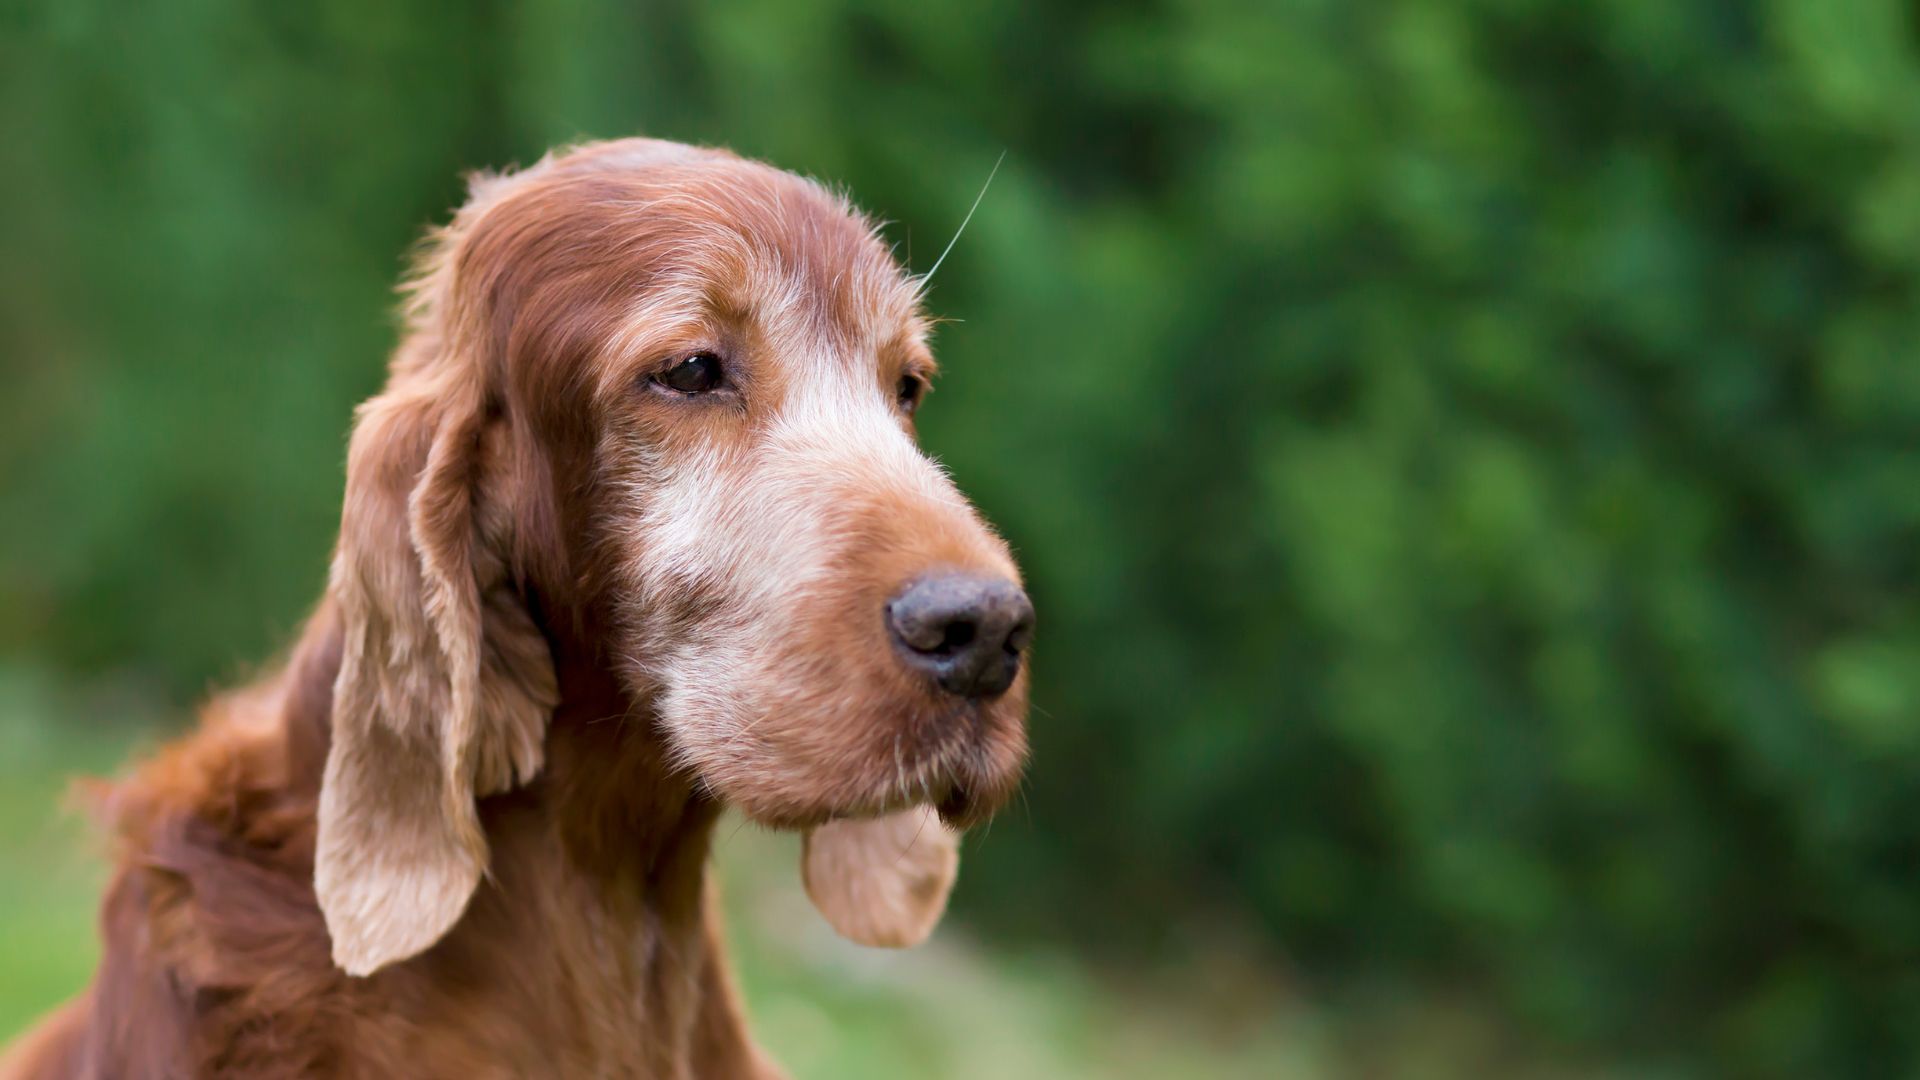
(916,839)
(928,276)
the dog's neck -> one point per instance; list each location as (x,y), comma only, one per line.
(607,797)
(608,791)
(592,928)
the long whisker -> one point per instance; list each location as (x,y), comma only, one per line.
(928,276)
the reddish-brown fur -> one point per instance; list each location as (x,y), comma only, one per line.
(486,536)
(217,958)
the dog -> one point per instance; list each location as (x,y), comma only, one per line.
(637,530)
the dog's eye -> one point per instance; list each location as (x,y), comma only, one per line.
(911,389)
(697,374)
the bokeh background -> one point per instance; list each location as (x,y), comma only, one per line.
(1466,454)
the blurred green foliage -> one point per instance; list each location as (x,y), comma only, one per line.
(1466,453)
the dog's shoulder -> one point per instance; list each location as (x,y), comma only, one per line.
(214,958)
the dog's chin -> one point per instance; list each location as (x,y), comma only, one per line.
(962,803)
(959,804)
(965,760)
(964,794)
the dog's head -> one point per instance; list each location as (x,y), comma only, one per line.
(671,392)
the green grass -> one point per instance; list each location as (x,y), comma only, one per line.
(951,1008)
(51,865)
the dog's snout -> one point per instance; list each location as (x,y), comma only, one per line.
(965,630)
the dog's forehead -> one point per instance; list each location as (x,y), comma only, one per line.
(771,247)
(629,254)
(808,262)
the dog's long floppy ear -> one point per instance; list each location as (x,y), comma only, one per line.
(445,685)
(882,881)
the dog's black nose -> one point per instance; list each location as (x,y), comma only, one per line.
(965,630)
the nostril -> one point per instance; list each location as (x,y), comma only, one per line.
(958,635)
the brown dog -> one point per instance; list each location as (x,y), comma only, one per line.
(638,529)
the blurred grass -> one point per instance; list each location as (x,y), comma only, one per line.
(50,868)
(824,1007)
